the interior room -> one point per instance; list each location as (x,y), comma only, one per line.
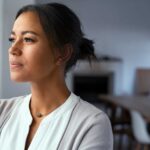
(121,34)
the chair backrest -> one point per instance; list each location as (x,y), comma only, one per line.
(139,128)
(142,81)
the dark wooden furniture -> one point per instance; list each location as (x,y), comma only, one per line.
(139,103)
(121,123)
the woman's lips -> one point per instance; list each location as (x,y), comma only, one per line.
(15,65)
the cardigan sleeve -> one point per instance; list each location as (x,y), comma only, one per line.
(6,107)
(99,135)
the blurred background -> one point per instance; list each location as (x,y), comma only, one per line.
(121,31)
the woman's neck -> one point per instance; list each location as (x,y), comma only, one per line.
(47,96)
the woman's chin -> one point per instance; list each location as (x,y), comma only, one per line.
(18,78)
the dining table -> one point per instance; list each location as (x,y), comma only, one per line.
(140,103)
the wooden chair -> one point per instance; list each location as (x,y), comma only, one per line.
(142,81)
(142,87)
(121,124)
(139,128)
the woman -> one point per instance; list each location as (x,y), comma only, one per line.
(46,42)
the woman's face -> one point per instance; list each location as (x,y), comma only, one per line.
(30,55)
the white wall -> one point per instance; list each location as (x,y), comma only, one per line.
(120,28)
(10,7)
(1,47)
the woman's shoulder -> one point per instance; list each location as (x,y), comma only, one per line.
(11,100)
(7,104)
(87,109)
(6,108)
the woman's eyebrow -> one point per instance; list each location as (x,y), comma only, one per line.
(24,32)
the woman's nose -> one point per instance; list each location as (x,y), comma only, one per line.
(15,49)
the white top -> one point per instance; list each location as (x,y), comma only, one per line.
(55,129)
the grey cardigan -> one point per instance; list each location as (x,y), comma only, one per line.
(89,131)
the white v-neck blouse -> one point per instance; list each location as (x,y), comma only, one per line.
(66,128)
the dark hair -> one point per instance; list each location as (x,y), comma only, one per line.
(61,25)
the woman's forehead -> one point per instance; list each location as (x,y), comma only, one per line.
(28,21)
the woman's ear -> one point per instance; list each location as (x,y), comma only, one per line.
(65,54)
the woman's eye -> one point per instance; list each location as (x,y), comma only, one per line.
(11,40)
(28,40)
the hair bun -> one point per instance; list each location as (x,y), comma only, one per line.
(86,49)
